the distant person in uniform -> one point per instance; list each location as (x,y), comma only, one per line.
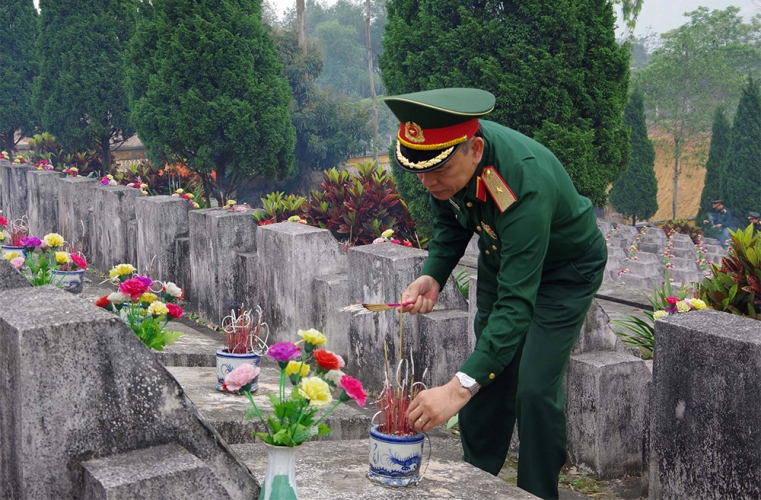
(753,218)
(541,260)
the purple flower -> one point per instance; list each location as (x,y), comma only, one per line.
(284,351)
(104,181)
(30,242)
(145,280)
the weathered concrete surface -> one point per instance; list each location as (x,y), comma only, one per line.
(336,470)
(110,396)
(160,221)
(442,344)
(705,428)
(226,412)
(13,189)
(605,409)
(75,211)
(331,293)
(217,236)
(10,278)
(597,335)
(197,346)
(168,472)
(43,189)
(379,274)
(113,237)
(291,256)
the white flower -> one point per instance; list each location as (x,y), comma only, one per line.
(334,376)
(118,298)
(172,289)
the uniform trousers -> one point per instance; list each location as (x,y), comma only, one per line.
(530,389)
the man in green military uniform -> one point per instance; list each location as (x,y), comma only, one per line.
(540,263)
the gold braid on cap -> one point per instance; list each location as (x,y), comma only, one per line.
(430,147)
(421,164)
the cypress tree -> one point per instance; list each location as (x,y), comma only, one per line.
(205,85)
(80,90)
(554,66)
(743,169)
(717,157)
(18,67)
(635,193)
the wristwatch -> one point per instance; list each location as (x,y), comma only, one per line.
(467,382)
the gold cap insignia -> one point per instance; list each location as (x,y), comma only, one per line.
(413,132)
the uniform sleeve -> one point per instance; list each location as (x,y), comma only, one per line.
(448,244)
(524,231)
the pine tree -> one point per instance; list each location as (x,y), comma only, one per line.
(635,194)
(715,166)
(205,85)
(80,90)
(554,65)
(743,170)
(18,67)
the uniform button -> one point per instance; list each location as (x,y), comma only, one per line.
(486,252)
(469,204)
(494,247)
(491,376)
(478,228)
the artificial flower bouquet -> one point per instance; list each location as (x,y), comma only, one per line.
(11,233)
(147,306)
(41,259)
(295,408)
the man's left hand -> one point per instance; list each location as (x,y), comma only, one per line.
(436,406)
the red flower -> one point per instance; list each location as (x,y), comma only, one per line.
(103,301)
(326,359)
(79,261)
(133,287)
(672,300)
(3,221)
(407,243)
(175,311)
(353,389)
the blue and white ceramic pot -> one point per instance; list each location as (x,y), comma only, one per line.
(227,362)
(280,479)
(13,248)
(71,281)
(395,460)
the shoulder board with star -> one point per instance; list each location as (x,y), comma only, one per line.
(500,192)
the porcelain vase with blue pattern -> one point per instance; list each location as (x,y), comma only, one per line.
(227,362)
(12,248)
(71,281)
(395,460)
(280,479)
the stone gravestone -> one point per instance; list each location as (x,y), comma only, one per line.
(43,188)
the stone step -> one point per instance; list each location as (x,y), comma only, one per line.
(335,470)
(169,472)
(226,411)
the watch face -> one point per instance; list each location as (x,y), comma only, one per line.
(466,380)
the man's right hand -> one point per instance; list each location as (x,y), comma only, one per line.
(421,295)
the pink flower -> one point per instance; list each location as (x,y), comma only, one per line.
(379,240)
(3,221)
(672,300)
(396,242)
(353,389)
(175,311)
(17,262)
(240,376)
(133,287)
(284,351)
(79,261)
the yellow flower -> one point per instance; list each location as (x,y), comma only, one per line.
(698,304)
(53,239)
(231,202)
(158,308)
(293,367)
(660,314)
(121,269)
(387,233)
(109,177)
(2,236)
(148,297)
(180,191)
(682,306)
(196,205)
(294,218)
(316,390)
(62,257)
(313,336)
(145,193)
(11,255)
(143,186)
(191,196)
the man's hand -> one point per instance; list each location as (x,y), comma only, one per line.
(436,406)
(421,295)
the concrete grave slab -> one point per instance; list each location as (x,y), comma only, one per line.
(43,189)
(160,220)
(13,189)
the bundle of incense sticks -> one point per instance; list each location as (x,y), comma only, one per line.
(397,395)
(371,308)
